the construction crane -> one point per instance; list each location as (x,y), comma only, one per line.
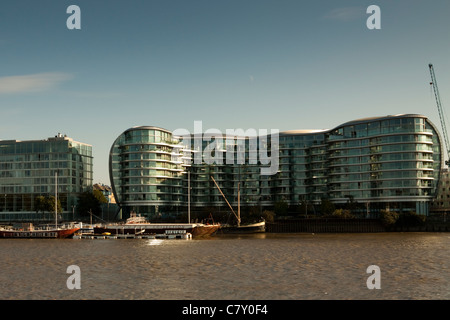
(440,110)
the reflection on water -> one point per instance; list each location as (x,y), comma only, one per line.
(260,266)
(155,242)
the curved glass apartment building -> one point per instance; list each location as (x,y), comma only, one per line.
(393,160)
(145,175)
(390,162)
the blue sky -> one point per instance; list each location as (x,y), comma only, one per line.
(262,64)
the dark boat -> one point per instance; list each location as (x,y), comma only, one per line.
(240,228)
(245,228)
(28,231)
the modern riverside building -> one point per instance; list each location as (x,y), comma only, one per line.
(145,176)
(382,163)
(28,169)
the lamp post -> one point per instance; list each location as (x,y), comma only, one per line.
(56,199)
(367,209)
(189,195)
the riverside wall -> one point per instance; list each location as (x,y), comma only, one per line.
(329,225)
(323,225)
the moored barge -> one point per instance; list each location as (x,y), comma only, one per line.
(28,231)
(137,225)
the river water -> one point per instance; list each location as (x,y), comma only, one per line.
(245,267)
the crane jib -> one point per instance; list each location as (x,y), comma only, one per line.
(440,110)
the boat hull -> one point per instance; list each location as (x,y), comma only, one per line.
(39,234)
(197,230)
(249,228)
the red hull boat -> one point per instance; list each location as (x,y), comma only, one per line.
(43,233)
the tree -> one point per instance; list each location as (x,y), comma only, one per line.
(410,219)
(403,219)
(389,218)
(99,196)
(47,204)
(342,214)
(89,200)
(50,205)
(39,204)
(269,216)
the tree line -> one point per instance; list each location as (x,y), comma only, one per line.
(88,202)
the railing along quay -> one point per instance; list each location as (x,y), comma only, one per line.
(325,225)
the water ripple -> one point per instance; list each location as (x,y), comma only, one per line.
(268,266)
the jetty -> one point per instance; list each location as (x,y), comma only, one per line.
(161,236)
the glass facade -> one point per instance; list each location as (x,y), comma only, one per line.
(27,170)
(390,162)
(145,174)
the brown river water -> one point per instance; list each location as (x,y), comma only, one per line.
(246,267)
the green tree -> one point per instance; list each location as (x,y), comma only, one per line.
(39,204)
(50,205)
(404,219)
(47,204)
(342,214)
(269,216)
(89,201)
(388,218)
(99,196)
